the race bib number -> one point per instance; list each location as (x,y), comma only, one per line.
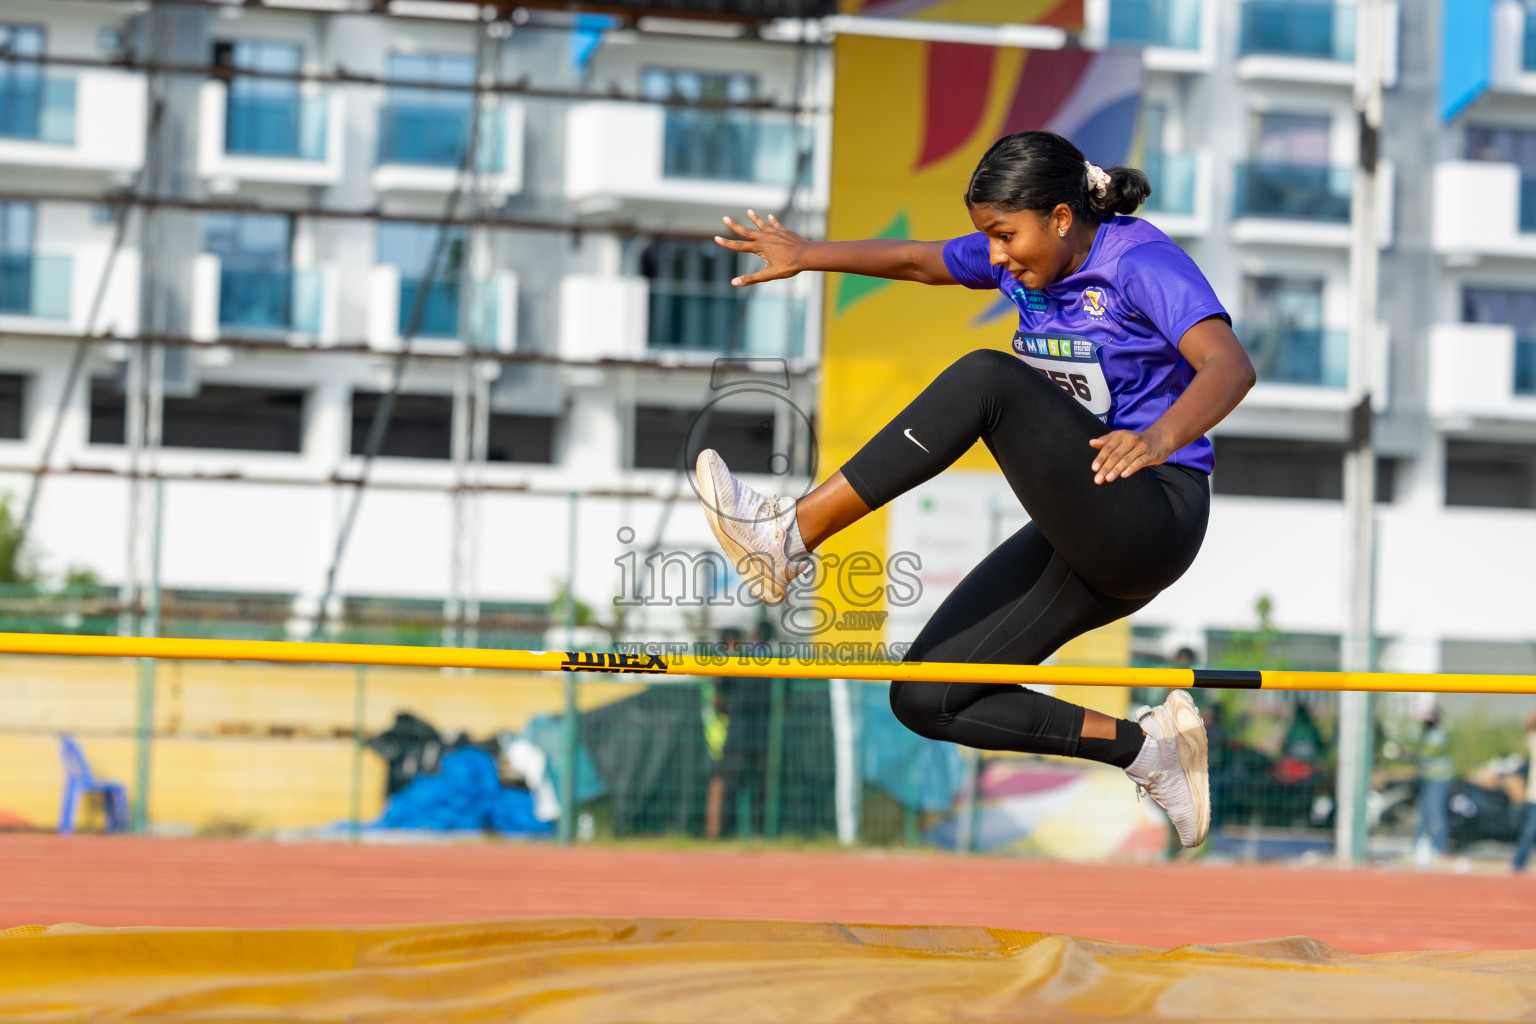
(1071,362)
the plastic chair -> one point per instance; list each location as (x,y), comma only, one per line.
(79,782)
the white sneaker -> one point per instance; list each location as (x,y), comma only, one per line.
(759,533)
(1172,768)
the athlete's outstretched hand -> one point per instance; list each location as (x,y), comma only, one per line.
(1123,452)
(780,248)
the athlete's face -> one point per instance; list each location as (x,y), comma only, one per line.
(1036,248)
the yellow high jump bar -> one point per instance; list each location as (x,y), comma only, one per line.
(762,666)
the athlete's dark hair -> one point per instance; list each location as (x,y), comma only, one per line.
(1038,170)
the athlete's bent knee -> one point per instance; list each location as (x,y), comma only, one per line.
(914,705)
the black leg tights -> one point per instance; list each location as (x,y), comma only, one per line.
(1091,554)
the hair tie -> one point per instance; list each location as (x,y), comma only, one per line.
(1098,178)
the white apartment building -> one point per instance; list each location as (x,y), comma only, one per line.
(295,264)
(289,291)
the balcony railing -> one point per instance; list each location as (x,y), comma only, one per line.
(695,318)
(444,311)
(484,314)
(33,285)
(436,137)
(1299,28)
(38,109)
(275,300)
(1525,366)
(1173,178)
(1173,23)
(1294,192)
(1294,355)
(276,126)
(440,308)
(726,146)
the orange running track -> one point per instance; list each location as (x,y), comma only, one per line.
(114,881)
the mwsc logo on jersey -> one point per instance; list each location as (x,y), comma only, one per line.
(1093,301)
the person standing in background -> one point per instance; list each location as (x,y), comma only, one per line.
(717,727)
(1436,771)
(1527,837)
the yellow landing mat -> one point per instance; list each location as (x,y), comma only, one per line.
(597,970)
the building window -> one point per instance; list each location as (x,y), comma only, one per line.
(13,390)
(663,441)
(24,91)
(1285,138)
(1290,176)
(256,278)
(1273,468)
(1490,475)
(237,418)
(514,438)
(108,411)
(1511,146)
(411,248)
(694,308)
(1318,29)
(269,116)
(1515,307)
(1282,330)
(220,417)
(420,426)
(693,305)
(423,125)
(1502,145)
(18,266)
(713,144)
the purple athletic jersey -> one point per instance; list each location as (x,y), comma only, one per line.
(1109,334)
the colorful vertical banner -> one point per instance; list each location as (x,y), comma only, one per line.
(911,120)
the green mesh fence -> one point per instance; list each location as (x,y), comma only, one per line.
(729,758)
(804,761)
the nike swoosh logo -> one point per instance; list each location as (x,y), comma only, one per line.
(908,435)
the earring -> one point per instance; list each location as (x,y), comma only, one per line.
(1062,232)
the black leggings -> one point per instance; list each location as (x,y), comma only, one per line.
(1092,553)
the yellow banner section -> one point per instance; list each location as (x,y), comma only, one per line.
(885,341)
(910,123)
(597,970)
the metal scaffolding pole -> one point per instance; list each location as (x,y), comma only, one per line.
(144,378)
(1354,730)
(470,394)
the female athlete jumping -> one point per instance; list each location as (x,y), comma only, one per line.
(1122,360)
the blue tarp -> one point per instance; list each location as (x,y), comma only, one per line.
(921,773)
(465,794)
